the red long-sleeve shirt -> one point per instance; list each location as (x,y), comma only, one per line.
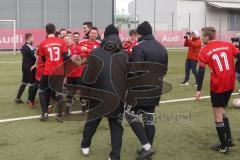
(89,44)
(194,47)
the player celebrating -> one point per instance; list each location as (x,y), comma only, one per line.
(63,32)
(53,51)
(74,71)
(131,42)
(39,72)
(76,38)
(219,56)
(87,45)
(86,29)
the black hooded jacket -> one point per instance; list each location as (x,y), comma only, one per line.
(149,50)
(114,61)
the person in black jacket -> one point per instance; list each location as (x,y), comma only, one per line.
(28,71)
(148,50)
(112,61)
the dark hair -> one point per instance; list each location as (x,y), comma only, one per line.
(57,34)
(89,24)
(69,32)
(50,28)
(76,33)
(93,28)
(210,32)
(27,36)
(132,32)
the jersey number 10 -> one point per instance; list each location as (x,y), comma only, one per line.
(219,63)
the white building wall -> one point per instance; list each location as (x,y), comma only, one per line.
(213,18)
(164,10)
(192,12)
(174,14)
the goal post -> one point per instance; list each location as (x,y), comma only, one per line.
(8,36)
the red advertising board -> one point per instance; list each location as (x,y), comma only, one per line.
(167,38)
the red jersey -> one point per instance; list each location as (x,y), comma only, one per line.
(194,48)
(39,67)
(219,56)
(128,46)
(72,69)
(90,45)
(52,49)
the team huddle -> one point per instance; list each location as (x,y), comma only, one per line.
(64,59)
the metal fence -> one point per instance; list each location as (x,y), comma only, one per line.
(64,13)
(176,15)
(170,19)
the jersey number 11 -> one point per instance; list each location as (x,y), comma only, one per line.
(219,63)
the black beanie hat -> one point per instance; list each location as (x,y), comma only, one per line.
(144,28)
(110,29)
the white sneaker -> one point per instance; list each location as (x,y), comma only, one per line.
(109,158)
(85,151)
(184,83)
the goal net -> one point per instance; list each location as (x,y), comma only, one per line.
(8,38)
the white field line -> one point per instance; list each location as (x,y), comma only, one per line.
(77,112)
(30,117)
(188,99)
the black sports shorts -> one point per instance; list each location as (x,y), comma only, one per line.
(53,82)
(220,99)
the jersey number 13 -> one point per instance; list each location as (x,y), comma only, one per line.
(54,53)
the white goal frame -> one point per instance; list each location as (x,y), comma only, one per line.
(14,33)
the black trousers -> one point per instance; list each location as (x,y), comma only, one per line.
(32,91)
(116,131)
(72,81)
(145,131)
(48,85)
(190,65)
(28,77)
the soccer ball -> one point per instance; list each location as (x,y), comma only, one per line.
(236,102)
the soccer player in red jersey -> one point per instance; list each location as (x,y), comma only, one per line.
(69,33)
(39,72)
(76,38)
(63,32)
(219,56)
(87,45)
(57,34)
(53,52)
(73,69)
(86,29)
(131,42)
